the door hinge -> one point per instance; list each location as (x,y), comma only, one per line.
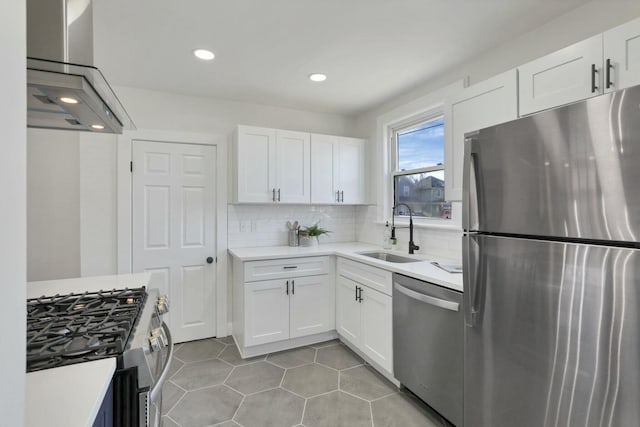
(131,167)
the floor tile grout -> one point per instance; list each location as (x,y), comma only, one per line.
(329,356)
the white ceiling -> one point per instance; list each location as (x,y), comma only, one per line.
(371,50)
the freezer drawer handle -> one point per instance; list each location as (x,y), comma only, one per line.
(442,303)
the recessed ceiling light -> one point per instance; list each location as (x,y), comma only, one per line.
(317,77)
(68,100)
(99,127)
(204,54)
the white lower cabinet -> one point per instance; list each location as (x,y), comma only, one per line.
(267,312)
(364,315)
(347,309)
(376,333)
(296,301)
(310,306)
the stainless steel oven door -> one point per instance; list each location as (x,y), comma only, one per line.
(151,400)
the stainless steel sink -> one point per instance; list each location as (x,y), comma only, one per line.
(385,256)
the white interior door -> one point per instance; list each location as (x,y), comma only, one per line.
(174,217)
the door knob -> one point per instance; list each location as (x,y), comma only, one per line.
(210,260)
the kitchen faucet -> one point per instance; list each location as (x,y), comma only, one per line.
(412,246)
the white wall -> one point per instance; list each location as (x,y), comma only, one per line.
(53,204)
(167,111)
(13,212)
(583,22)
(81,214)
(98,228)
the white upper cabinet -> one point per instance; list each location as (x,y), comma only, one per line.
(337,170)
(622,56)
(349,174)
(562,77)
(322,169)
(484,104)
(293,167)
(272,166)
(254,152)
(600,64)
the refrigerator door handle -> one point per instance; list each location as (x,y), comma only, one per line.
(437,302)
(469,184)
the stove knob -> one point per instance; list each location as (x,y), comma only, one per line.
(155,344)
(163,304)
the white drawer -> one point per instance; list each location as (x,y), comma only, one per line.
(284,268)
(373,277)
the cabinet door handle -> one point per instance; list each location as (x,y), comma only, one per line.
(293,287)
(338,196)
(594,71)
(273,195)
(608,75)
(356,289)
(278,194)
(287,291)
(342,196)
(290,267)
(360,295)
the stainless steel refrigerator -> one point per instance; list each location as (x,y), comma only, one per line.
(551,256)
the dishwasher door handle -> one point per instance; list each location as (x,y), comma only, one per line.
(442,303)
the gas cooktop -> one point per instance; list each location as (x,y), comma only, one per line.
(67,329)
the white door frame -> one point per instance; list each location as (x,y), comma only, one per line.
(124,205)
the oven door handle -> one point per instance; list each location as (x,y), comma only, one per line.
(157,387)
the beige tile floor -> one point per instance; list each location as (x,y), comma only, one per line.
(323,385)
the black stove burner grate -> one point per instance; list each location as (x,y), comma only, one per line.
(67,329)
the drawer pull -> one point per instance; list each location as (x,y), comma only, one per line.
(290,267)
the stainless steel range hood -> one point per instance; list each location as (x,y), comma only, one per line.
(64,89)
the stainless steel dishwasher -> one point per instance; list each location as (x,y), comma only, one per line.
(428,328)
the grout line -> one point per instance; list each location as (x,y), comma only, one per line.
(283,375)
(371,413)
(304,409)
(173,407)
(177,423)
(228,375)
(179,386)
(356,396)
(382,397)
(237,409)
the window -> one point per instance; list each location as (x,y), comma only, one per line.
(418,178)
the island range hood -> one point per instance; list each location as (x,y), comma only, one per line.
(64,89)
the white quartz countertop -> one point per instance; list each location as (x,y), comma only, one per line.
(68,396)
(71,395)
(422,270)
(86,284)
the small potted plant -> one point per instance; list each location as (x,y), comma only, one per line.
(309,235)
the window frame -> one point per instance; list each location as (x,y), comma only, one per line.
(393,131)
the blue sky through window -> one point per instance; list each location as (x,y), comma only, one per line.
(422,146)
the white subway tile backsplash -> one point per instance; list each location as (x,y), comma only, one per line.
(432,241)
(270,222)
